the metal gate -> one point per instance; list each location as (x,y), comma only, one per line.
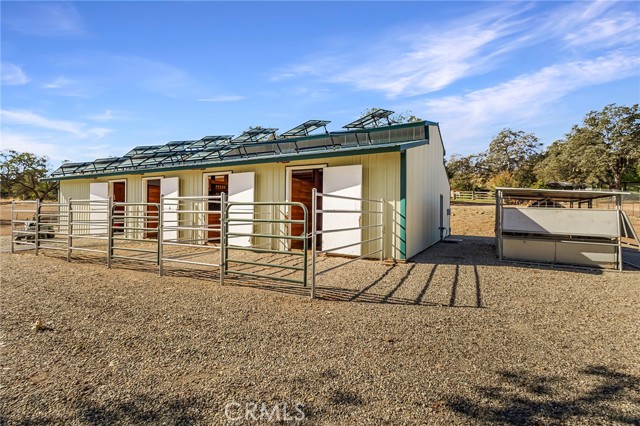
(186,234)
(24,216)
(371,222)
(88,226)
(133,232)
(178,230)
(241,214)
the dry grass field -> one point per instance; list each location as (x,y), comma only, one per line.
(452,337)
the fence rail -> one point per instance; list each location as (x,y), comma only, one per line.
(473,195)
(188,230)
(372,210)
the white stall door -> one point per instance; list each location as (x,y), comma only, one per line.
(98,207)
(241,189)
(170,188)
(345,181)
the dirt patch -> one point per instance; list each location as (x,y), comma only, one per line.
(478,220)
(451,338)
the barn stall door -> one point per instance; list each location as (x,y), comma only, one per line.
(170,188)
(98,210)
(241,189)
(345,181)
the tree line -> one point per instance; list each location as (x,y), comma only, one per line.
(601,152)
(21,175)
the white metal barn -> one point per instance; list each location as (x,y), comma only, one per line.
(400,166)
(562,227)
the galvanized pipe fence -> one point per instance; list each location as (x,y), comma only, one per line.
(371,210)
(203,230)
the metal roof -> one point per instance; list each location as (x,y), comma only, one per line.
(213,151)
(556,194)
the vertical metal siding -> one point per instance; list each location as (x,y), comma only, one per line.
(426,180)
(381,180)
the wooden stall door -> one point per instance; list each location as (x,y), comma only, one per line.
(216,186)
(153,196)
(302,184)
(119,196)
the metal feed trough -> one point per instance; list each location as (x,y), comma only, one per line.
(562,227)
(201,232)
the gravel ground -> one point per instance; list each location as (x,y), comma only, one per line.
(451,338)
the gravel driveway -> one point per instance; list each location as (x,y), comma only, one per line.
(451,338)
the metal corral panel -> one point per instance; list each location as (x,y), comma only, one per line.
(381,180)
(426,180)
(579,222)
(575,253)
(531,250)
(603,256)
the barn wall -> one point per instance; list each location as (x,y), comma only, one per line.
(381,180)
(426,181)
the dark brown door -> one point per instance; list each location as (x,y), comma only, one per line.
(216,186)
(119,191)
(153,196)
(302,184)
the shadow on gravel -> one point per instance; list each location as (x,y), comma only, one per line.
(142,409)
(481,251)
(598,395)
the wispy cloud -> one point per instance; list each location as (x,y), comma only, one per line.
(42,18)
(421,60)
(610,30)
(21,143)
(106,115)
(154,76)
(465,117)
(49,146)
(222,98)
(63,86)
(12,74)
(57,83)
(32,120)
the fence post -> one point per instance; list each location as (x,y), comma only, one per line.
(110,235)
(305,246)
(13,248)
(223,201)
(160,236)
(69,230)
(109,230)
(382,230)
(314,225)
(37,218)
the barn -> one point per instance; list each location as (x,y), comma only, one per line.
(369,162)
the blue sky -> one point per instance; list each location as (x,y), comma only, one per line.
(92,79)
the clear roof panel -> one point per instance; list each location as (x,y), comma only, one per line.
(256,142)
(305,128)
